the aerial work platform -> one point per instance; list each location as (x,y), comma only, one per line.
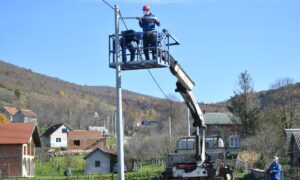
(132,51)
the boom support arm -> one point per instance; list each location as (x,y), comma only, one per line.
(184,87)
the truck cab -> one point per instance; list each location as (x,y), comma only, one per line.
(183,162)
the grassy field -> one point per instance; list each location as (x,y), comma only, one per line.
(243,176)
(54,169)
(57,165)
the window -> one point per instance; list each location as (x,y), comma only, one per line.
(58,139)
(64,130)
(97,163)
(24,150)
(234,141)
(186,144)
(215,128)
(77,142)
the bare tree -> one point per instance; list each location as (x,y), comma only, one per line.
(267,141)
(284,100)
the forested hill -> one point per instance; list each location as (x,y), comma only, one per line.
(55,100)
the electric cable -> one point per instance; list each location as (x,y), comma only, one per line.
(158,84)
(108,4)
(123,20)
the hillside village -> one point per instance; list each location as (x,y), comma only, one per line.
(60,139)
(61,119)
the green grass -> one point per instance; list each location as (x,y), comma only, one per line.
(49,170)
(243,176)
(111,141)
(149,167)
(57,165)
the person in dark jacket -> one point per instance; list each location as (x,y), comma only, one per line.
(274,169)
(147,23)
(126,42)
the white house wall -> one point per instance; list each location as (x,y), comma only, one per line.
(58,134)
(104,163)
(28,167)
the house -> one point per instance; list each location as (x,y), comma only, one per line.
(293,140)
(17,149)
(25,116)
(56,136)
(101,129)
(99,161)
(295,149)
(221,124)
(85,140)
(9,112)
(150,123)
(289,133)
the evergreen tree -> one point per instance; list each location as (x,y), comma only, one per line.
(245,105)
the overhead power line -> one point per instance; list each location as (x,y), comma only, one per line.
(108,4)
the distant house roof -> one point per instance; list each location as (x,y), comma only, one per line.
(97,128)
(101,150)
(101,129)
(289,132)
(11,110)
(150,123)
(84,134)
(54,128)
(19,133)
(28,113)
(296,138)
(218,118)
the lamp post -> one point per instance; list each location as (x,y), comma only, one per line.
(120,130)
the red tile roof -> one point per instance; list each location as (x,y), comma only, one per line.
(11,110)
(28,113)
(16,133)
(84,134)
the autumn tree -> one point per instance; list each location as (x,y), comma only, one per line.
(4,119)
(284,101)
(244,104)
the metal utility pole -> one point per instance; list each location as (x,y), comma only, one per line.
(188,123)
(119,99)
(170,128)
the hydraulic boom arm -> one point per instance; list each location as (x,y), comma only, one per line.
(184,87)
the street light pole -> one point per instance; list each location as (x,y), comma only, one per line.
(119,99)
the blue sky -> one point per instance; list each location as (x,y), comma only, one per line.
(68,39)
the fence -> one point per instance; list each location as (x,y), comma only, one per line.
(129,176)
(286,175)
(239,165)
